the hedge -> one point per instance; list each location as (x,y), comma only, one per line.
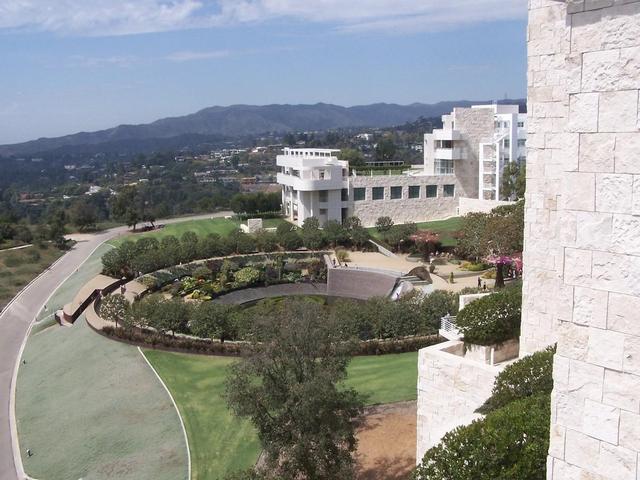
(531,375)
(151,339)
(493,319)
(509,443)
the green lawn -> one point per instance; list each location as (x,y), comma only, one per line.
(385,378)
(221,443)
(19,267)
(445,228)
(221,226)
(89,407)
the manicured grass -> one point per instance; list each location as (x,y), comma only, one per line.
(221,443)
(203,227)
(385,378)
(19,267)
(90,407)
(445,228)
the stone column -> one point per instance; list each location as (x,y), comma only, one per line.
(582,230)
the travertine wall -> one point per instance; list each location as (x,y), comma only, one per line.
(450,388)
(476,125)
(405,209)
(582,237)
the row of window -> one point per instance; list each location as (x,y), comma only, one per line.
(395,193)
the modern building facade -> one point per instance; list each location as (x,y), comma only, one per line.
(315,183)
(475,144)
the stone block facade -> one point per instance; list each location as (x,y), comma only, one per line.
(582,230)
(404,209)
(450,389)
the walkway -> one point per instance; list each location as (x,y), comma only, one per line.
(17,317)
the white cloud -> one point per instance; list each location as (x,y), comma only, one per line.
(120,17)
(187,56)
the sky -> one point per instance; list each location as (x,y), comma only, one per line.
(82,65)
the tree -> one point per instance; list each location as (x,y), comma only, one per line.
(335,233)
(212,320)
(114,308)
(312,237)
(359,236)
(384,224)
(83,214)
(427,242)
(514,178)
(385,150)
(497,236)
(353,156)
(290,388)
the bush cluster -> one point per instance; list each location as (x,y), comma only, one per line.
(492,319)
(382,325)
(509,443)
(512,440)
(531,375)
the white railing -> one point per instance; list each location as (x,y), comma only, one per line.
(448,328)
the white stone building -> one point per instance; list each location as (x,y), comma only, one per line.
(475,144)
(315,183)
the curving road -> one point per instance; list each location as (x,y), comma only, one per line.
(17,317)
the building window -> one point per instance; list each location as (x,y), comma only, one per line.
(522,142)
(507,143)
(521,124)
(377,193)
(323,211)
(345,194)
(432,191)
(448,190)
(396,193)
(444,167)
(414,191)
(323,195)
(358,194)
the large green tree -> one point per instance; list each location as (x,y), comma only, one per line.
(289,387)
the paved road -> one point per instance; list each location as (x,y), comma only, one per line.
(16,318)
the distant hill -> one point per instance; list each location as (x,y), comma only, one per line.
(237,121)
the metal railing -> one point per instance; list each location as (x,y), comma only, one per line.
(448,328)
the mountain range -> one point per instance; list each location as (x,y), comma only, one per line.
(216,123)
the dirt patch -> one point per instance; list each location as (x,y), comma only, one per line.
(387,442)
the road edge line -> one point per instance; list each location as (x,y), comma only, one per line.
(13,424)
(175,405)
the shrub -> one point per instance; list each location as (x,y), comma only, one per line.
(492,319)
(435,306)
(474,267)
(384,224)
(246,276)
(291,240)
(342,255)
(531,375)
(451,277)
(509,443)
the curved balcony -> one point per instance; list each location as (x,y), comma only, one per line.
(312,184)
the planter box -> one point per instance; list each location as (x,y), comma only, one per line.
(492,354)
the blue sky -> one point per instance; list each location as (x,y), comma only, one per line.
(82,65)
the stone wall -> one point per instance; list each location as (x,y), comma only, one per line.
(450,388)
(405,209)
(476,126)
(469,205)
(582,232)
